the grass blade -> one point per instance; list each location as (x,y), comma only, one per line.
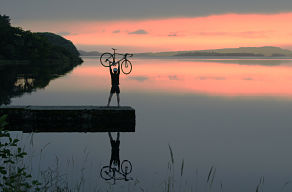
(209,174)
(171,154)
(182,167)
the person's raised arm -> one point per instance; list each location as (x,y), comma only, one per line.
(119,68)
(110,68)
(118,136)
(110,136)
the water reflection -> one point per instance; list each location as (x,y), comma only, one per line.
(17,80)
(244,138)
(115,155)
(115,170)
(211,77)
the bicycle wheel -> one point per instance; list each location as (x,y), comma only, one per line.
(106,173)
(126,167)
(126,67)
(106,59)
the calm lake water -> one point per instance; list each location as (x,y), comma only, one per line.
(234,115)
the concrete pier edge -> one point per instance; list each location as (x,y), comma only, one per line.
(69,118)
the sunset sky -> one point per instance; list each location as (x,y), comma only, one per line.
(164,25)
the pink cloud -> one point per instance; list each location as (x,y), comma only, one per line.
(243,34)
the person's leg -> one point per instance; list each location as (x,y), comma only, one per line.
(109,99)
(111,162)
(118,99)
(119,164)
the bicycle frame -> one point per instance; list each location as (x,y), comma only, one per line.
(124,57)
(108,59)
(114,173)
(124,175)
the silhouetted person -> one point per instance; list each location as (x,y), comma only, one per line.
(115,77)
(115,156)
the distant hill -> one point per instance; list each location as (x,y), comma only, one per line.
(266,51)
(41,48)
(216,54)
(89,53)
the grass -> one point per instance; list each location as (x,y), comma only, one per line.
(173,184)
(179,185)
(175,181)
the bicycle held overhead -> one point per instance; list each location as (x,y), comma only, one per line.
(108,59)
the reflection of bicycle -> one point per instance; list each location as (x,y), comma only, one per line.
(108,173)
(108,59)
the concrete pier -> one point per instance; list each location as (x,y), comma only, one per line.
(69,118)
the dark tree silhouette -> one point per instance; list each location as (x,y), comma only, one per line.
(17,44)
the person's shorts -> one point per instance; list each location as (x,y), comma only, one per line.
(115,89)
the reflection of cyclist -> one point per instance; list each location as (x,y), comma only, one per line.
(115,76)
(115,156)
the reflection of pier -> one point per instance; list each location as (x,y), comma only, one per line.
(69,118)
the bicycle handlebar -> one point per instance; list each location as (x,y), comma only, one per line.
(129,54)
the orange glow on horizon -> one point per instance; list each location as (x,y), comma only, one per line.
(197,77)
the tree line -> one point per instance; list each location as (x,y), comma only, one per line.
(19,44)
